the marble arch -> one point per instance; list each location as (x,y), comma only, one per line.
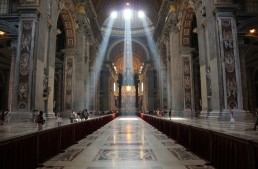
(186,27)
(248,24)
(113,46)
(9,28)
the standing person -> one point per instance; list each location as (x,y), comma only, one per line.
(169,114)
(40,120)
(86,114)
(7,116)
(82,115)
(256,123)
(2,117)
(72,116)
(59,119)
(232,120)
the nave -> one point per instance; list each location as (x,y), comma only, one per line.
(126,143)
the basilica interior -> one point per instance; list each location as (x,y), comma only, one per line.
(130,64)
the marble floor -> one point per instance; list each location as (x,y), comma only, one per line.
(131,143)
(126,143)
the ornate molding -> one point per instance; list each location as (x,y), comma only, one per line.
(69,27)
(229,63)
(187,82)
(69,83)
(71,52)
(24,64)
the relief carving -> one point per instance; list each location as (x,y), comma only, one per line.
(68,82)
(24,64)
(229,60)
(187,83)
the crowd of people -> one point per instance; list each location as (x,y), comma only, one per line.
(5,116)
(80,116)
(158,112)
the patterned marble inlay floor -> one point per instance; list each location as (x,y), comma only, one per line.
(125,154)
(126,143)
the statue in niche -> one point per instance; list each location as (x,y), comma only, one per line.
(203,11)
(180,15)
(46,89)
(23,90)
(26,42)
(231,88)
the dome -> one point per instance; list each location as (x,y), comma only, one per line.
(137,25)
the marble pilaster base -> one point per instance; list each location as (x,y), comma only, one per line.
(239,115)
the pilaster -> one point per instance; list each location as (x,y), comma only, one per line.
(229,56)
(69,79)
(11,99)
(177,101)
(24,64)
(187,65)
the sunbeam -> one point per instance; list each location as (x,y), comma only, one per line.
(152,46)
(128,88)
(93,82)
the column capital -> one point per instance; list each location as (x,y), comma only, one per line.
(221,9)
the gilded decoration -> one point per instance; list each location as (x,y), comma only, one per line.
(69,28)
(119,63)
(187,26)
(24,65)
(187,83)
(229,60)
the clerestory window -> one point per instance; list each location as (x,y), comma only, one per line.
(4,6)
(252,6)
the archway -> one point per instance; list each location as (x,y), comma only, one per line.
(196,68)
(189,39)
(128,90)
(3,90)
(248,54)
(7,54)
(59,67)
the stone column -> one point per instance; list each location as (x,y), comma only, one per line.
(69,77)
(120,81)
(242,55)
(204,60)
(59,103)
(12,75)
(176,72)
(86,71)
(229,54)
(168,64)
